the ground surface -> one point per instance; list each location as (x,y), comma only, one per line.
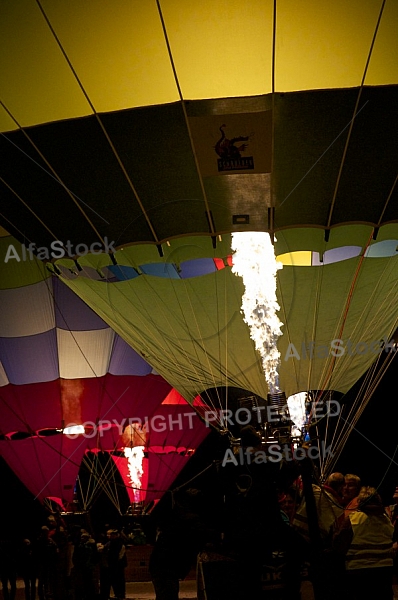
(143,590)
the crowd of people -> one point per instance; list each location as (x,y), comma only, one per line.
(340,529)
(62,563)
(352,540)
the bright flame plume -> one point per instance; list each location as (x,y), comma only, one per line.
(135,457)
(254,260)
(296,404)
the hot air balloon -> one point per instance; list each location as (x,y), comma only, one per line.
(138,140)
(71,388)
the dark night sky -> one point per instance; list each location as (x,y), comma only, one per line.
(372,449)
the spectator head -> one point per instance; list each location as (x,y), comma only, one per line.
(288,504)
(370,501)
(112,533)
(351,487)
(336,482)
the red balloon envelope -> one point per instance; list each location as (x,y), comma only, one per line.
(62,367)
